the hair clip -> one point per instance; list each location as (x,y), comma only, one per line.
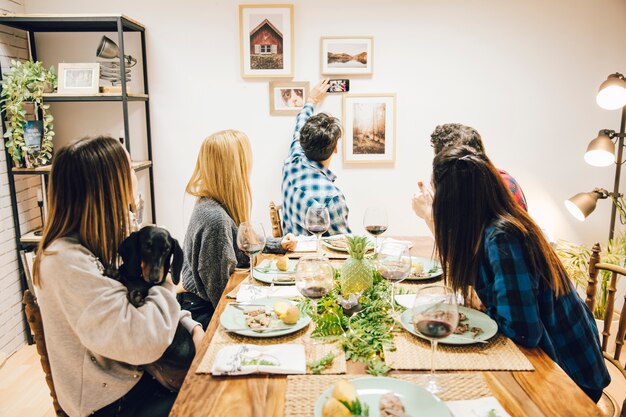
(466,157)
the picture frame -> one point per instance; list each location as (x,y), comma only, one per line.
(266,40)
(79,78)
(369,128)
(287,97)
(347,55)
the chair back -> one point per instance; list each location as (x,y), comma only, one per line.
(595,266)
(275,218)
(33,315)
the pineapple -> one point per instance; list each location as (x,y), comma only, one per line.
(356,272)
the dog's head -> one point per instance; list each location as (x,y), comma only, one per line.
(149,253)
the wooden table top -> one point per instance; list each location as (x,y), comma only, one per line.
(545,392)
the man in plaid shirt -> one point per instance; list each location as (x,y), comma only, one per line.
(307,180)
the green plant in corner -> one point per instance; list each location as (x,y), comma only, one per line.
(26,82)
(575,259)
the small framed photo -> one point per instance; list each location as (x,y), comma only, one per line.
(347,55)
(369,122)
(287,98)
(33,135)
(81,78)
(266,32)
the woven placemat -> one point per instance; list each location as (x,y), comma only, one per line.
(500,354)
(314,352)
(303,391)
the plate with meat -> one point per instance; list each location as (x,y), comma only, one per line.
(474,327)
(378,397)
(424,268)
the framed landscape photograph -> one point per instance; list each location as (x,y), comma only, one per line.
(266,32)
(79,78)
(347,55)
(287,97)
(369,123)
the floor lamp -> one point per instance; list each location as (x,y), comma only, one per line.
(601,153)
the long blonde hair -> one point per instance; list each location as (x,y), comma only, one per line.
(222,173)
(89,195)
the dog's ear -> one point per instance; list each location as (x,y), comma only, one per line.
(129,251)
(177,260)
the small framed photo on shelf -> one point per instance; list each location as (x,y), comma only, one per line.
(83,78)
(369,123)
(266,40)
(33,135)
(347,55)
(287,97)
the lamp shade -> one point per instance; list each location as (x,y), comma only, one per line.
(107,49)
(601,151)
(612,92)
(582,204)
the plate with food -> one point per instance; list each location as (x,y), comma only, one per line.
(423,269)
(474,327)
(378,397)
(340,243)
(281,271)
(265,317)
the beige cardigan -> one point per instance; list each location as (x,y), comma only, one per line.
(95,338)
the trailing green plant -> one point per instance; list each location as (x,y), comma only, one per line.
(25,83)
(575,259)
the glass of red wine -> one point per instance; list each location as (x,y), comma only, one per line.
(251,241)
(375,222)
(315,278)
(435,316)
(317,221)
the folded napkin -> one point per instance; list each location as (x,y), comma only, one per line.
(269,359)
(482,407)
(407,243)
(306,243)
(249,292)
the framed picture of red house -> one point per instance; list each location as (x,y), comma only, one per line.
(266,32)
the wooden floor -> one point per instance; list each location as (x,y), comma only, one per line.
(23,389)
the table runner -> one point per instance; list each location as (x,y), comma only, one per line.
(500,354)
(314,352)
(303,390)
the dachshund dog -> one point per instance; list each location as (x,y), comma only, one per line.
(147,255)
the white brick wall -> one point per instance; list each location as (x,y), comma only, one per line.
(13,45)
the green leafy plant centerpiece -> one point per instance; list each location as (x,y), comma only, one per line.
(25,83)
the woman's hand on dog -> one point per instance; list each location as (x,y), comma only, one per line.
(197,334)
(289,242)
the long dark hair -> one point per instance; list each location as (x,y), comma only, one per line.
(470,194)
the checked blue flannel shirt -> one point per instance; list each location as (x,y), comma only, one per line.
(306,182)
(528,312)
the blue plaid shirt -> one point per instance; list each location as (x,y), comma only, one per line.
(306,182)
(528,312)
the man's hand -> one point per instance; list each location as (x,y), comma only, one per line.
(197,334)
(319,92)
(289,242)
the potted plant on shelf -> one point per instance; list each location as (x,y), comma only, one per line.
(26,83)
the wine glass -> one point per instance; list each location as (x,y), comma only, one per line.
(435,316)
(251,241)
(315,278)
(394,263)
(375,222)
(317,221)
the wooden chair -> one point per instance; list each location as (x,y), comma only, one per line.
(595,266)
(33,315)
(275,218)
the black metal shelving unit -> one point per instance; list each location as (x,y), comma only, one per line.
(79,23)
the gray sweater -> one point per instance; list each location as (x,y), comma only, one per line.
(211,252)
(95,338)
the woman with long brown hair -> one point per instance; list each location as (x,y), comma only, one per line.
(96,339)
(221,183)
(485,240)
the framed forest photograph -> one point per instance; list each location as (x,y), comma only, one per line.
(266,33)
(369,123)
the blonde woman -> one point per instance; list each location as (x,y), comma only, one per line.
(96,339)
(221,182)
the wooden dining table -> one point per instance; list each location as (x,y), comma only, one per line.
(545,392)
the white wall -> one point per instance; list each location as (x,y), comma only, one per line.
(524,74)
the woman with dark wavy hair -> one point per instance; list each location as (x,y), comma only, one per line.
(487,241)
